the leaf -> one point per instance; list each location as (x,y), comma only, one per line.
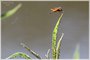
(47,55)
(19,54)
(54,36)
(11,12)
(32,52)
(58,46)
(76,53)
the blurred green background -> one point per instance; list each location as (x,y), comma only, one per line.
(33,24)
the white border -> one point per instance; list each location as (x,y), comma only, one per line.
(43,0)
(89,29)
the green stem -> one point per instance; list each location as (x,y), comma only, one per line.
(54,36)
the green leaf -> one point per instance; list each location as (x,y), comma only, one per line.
(76,53)
(31,51)
(19,54)
(47,55)
(54,36)
(11,12)
(58,46)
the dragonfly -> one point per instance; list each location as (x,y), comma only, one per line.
(57,9)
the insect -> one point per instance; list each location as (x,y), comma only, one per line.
(57,9)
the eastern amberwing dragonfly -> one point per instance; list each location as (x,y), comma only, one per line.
(57,9)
